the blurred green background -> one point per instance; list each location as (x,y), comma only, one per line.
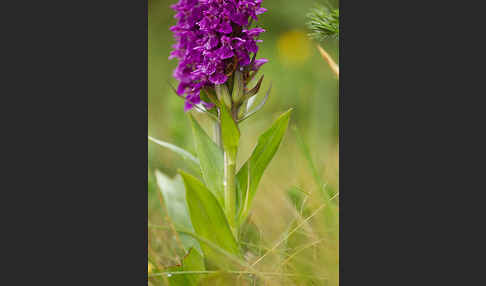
(300,80)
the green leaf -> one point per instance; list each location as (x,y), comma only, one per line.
(211,161)
(185,154)
(229,132)
(175,203)
(209,221)
(178,150)
(193,261)
(251,172)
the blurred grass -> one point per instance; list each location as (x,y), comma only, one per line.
(302,80)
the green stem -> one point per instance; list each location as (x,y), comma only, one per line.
(230,187)
(229,137)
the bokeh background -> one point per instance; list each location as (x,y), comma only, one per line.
(300,80)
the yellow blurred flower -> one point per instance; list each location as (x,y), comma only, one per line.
(294,47)
(150,267)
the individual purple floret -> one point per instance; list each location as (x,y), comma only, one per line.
(213,39)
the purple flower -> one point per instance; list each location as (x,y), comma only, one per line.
(258,63)
(211,36)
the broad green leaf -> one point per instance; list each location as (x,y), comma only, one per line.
(229,132)
(174,197)
(193,261)
(251,172)
(209,221)
(211,161)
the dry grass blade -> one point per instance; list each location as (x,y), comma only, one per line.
(289,234)
(299,251)
(334,67)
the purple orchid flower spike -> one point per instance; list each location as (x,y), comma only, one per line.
(214,40)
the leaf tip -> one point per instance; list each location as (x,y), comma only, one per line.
(286,114)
